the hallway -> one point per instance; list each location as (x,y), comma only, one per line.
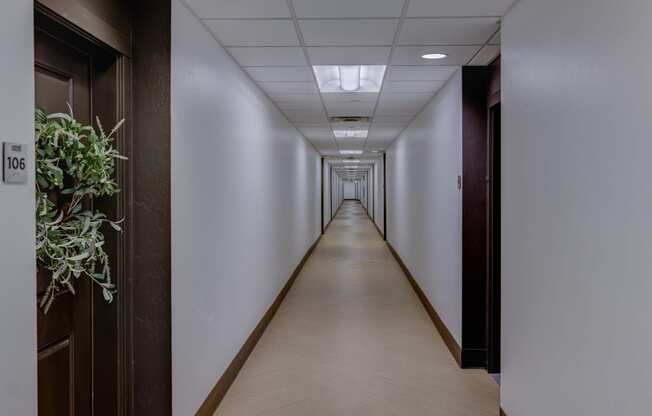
(351,338)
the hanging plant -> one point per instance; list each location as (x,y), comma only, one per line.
(74,164)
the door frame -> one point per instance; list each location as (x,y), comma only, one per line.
(144,302)
(116,82)
(493,240)
(494,218)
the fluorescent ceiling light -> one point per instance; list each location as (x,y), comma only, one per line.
(434,56)
(350,152)
(351,134)
(349,78)
(351,161)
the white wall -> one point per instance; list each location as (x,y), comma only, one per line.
(17,255)
(424,205)
(349,190)
(245,208)
(577,208)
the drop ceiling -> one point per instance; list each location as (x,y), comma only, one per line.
(278,41)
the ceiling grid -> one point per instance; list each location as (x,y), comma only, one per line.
(277,42)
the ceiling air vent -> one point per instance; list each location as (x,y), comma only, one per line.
(350,119)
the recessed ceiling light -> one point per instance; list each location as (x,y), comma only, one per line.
(434,56)
(351,134)
(349,78)
(350,152)
(351,161)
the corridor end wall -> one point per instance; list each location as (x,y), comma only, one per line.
(246,197)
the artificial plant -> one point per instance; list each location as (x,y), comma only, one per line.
(74,164)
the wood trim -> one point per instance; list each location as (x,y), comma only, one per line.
(474,216)
(502,412)
(378,229)
(375,225)
(151,279)
(111,101)
(95,26)
(493,91)
(329,222)
(446,335)
(385,196)
(222,386)
(322,176)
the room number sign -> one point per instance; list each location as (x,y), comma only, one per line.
(14,163)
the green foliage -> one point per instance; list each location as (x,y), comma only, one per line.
(74,164)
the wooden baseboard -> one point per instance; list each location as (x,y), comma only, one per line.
(331,220)
(219,391)
(375,225)
(446,335)
(502,412)
(378,229)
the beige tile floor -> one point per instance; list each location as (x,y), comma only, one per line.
(351,338)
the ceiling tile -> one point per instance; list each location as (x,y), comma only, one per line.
(420,73)
(224,9)
(401,104)
(298,106)
(405,98)
(317,132)
(373,55)
(306,117)
(348,32)
(271,56)
(403,110)
(319,125)
(385,127)
(288,87)
(302,99)
(348,8)
(453,31)
(437,8)
(254,32)
(350,109)
(393,119)
(486,55)
(350,143)
(350,97)
(412,86)
(411,55)
(275,73)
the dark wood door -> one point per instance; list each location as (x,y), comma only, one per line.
(63,75)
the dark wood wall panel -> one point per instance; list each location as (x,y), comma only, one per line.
(474,216)
(151,209)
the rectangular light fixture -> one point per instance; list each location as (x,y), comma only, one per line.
(351,134)
(350,161)
(350,152)
(349,78)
